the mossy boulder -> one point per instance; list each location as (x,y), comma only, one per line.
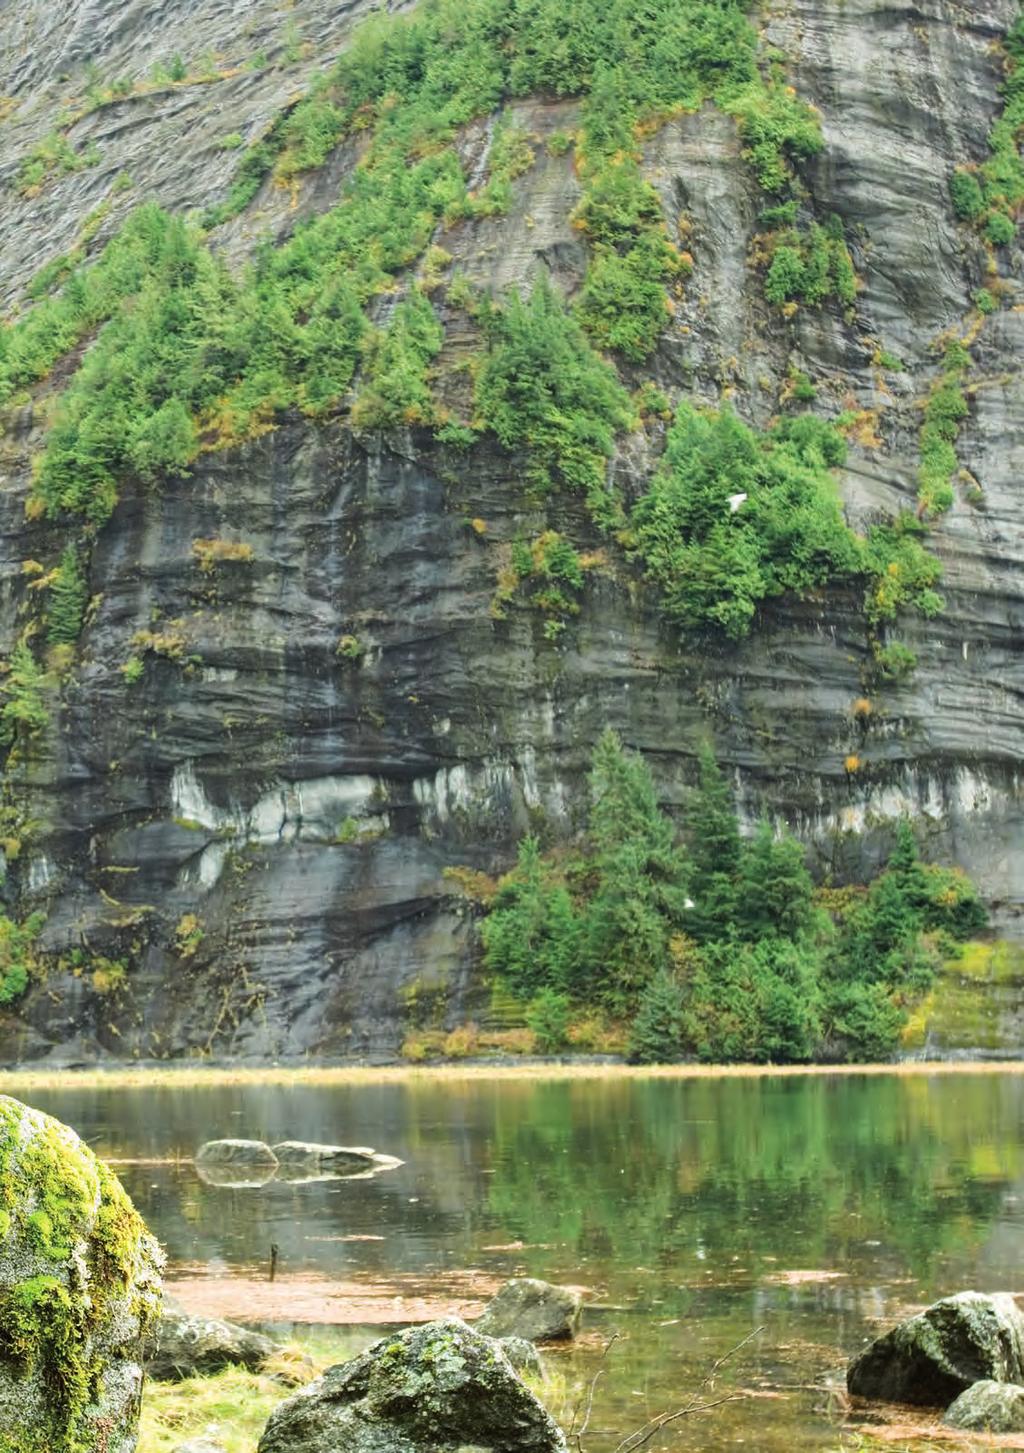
(988,1407)
(932,1358)
(435,1388)
(536,1310)
(79,1293)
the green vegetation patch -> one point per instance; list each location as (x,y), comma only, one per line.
(990,196)
(715,946)
(944,412)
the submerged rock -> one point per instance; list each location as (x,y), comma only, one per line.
(935,1356)
(200,1445)
(79,1293)
(988,1407)
(187,1346)
(531,1309)
(435,1388)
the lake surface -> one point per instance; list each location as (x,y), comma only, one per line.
(693,1210)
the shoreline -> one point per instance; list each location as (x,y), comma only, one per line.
(189,1076)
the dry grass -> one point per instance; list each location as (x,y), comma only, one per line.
(189,1076)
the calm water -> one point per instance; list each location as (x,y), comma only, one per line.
(684,1206)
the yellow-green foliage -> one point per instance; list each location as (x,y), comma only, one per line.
(58,1200)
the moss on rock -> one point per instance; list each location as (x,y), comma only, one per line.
(79,1293)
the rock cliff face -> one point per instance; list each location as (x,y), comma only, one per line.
(259,826)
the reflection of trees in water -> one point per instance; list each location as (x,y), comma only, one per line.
(806,1170)
(624,1173)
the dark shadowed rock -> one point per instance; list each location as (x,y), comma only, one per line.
(532,1309)
(187,1346)
(79,1292)
(935,1356)
(988,1407)
(432,1389)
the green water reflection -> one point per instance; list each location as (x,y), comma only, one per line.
(684,1205)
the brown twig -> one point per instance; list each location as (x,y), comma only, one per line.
(644,1434)
(590,1399)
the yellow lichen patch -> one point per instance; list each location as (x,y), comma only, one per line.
(211,553)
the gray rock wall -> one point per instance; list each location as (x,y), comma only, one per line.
(216,786)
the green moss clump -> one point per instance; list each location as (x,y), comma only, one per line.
(68,1213)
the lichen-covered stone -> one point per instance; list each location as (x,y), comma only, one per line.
(186,1346)
(432,1389)
(532,1309)
(931,1358)
(988,1407)
(79,1293)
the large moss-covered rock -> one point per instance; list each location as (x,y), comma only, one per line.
(536,1310)
(930,1359)
(433,1389)
(988,1407)
(79,1293)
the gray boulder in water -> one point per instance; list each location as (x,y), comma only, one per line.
(187,1346)
(532,1309)
(988,1407)
(308,1155)
(249,1154)
(435,1388)
(932,1358)
(79,1293)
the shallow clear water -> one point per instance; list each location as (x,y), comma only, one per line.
(685,1206)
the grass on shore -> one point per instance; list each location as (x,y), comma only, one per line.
(190,1076)
(232,1407)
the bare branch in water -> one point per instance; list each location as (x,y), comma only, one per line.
(578,1437)
(636,1440)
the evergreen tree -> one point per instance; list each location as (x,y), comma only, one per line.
(715,846)
(657,1032)
(530,936)
(775,892)
(642,875)
(68,595)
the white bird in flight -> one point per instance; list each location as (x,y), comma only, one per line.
(735,500)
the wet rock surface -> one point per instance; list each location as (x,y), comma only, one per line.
(303,807)
(532,1310)
(79,1292)
(934,1357)
(433,1389)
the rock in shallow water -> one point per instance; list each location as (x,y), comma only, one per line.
(308,1155)
(532,1309)
(988,1407)
(79,1293)
(435,1388)
(935,1356)
(245,1153)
